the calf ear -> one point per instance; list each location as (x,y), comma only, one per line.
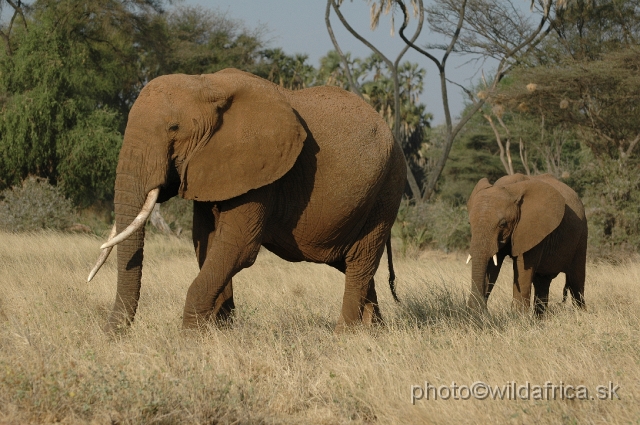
(256,138)
(482,184)
(541,210)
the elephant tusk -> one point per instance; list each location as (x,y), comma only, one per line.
(468,259)
(495,259)
(103,255)
(137,222)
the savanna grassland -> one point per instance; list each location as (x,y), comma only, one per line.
(281,362)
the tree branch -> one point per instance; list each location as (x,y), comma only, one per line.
(523,157)
(500,145)
(352,83)
(632,145)
(413,184)
(529,42)
(17,10)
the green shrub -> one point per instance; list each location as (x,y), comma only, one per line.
(34,205)
(437,225)
(611,198)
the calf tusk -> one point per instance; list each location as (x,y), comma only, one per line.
(468,259)
(137,222)
(103,255)
(495,259)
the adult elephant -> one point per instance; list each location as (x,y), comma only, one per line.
(311,175)
(540,223)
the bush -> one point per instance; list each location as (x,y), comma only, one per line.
(34,205)
(611,200)
(437,225)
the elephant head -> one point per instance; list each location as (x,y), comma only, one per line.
(205,137)
(508,218)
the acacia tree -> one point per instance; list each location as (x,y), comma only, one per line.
(598,100)
(483,28)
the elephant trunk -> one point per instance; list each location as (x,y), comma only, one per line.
(481,255)
(129,199)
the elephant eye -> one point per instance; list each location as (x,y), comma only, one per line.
(503,223)
(174,127)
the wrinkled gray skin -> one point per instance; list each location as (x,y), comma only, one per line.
(540,223)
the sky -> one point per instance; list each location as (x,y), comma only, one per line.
(298,26)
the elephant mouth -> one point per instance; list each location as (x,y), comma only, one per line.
(495,259)
(136,224)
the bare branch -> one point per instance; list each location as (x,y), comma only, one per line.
(352,83)
(6,36)
(17,7)
(632,145)
(499,30)
(413,184)
(507,144)
(505,164)
(523,157)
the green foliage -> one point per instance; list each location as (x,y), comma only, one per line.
(57,82)
(292,72)
(196,40)
(587,29)
(589,134)
(34,205)
(436,225)
(472,157)
(611,197)
(569,109)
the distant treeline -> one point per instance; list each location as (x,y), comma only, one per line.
(70,70)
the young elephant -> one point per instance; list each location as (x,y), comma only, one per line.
(540,223)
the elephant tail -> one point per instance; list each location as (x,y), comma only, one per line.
(392,274)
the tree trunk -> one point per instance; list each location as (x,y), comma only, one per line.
(158,221)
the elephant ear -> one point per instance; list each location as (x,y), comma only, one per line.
(541,210)
(256,138)
(482,184)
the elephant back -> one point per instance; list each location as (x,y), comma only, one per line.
(348,155)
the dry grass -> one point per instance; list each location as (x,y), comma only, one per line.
(280,362)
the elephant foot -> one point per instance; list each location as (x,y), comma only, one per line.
(370,317)
(477,304)
(221,319)
(371,314)
(113,329)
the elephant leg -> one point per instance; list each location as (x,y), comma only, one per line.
(233,245)
(360,302)
(541,295)
(576,275)
(205,217)
(492,274)
(522,279)
(371,311)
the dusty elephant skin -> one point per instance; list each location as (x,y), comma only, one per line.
(540,223)
(312,175)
